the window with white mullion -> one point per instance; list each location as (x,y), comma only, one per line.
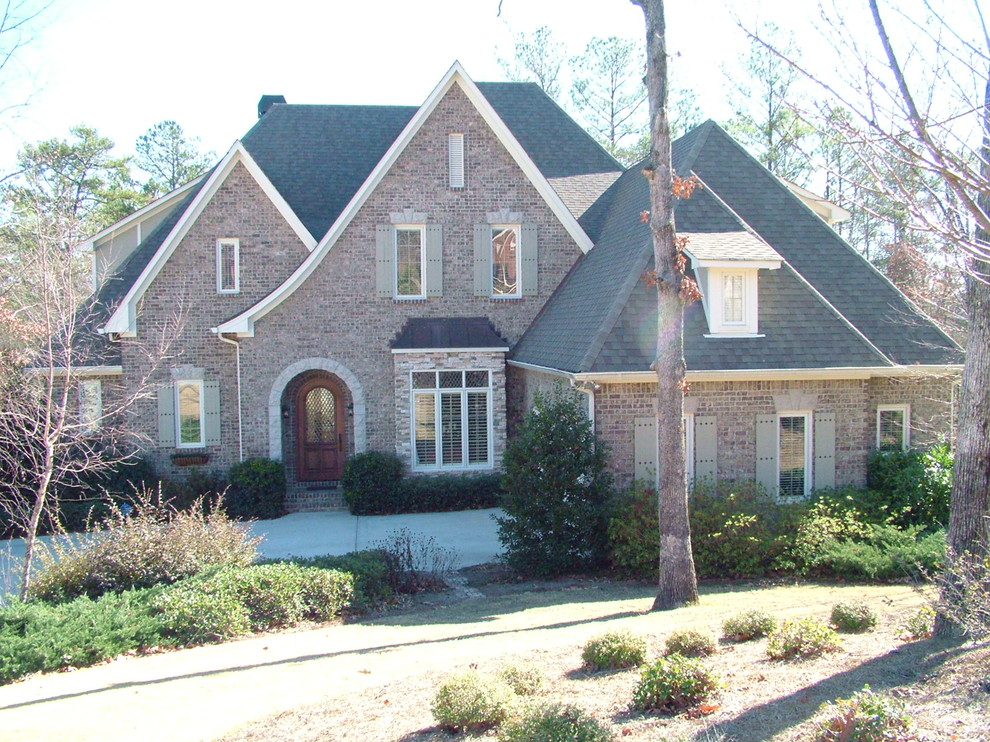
(409,262)
(228,266)
(794,454)
(476,429)
(505,261)
(190,425)
(893,427)
(451,419)
(452,428)
(425,429)
(733,299)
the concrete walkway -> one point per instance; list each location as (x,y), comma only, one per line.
(471,534)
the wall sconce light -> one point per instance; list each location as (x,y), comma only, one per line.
(350,409)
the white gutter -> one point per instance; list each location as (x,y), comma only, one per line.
(773,374)
(240,427)
(589,389)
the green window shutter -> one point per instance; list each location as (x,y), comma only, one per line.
(766,453)
(434,260)
(482,260)
(211,413)
(824,450)
(166,415)
(705,447)
(528,265)
(384,279)
(645,449)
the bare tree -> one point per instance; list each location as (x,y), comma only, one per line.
(537,57)
(17,18)
(678,583)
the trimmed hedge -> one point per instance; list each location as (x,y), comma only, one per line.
(257,490)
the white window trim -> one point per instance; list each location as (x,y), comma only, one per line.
(716,306)
(436,392)
(455,161)
(905,410)
(688,422)
(809,438)
(421,228)
(91,422)
(236,244)
(517,228)
(178,384)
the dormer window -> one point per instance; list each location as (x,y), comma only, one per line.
(731,300)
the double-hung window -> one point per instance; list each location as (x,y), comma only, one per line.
(228,266)
(733,299)
(451,419)
(794,454)
(189,421)
(505,261)
(409,262)
(893,427)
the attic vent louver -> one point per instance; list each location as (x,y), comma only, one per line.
(267,101)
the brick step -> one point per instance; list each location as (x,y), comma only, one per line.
(299,499)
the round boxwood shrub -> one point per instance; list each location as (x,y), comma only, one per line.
(371,483)
(853,617)
(525,678)
(555,722)
(749,625)
(799,638)
(256,490)
(691,643)
(672,684)
(614,650)
(471,701)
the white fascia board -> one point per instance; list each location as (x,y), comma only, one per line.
(243,324)
(396,351)
(733,264)
(545,370)
(123,319)
(168,200)
(776,374)
(81,371)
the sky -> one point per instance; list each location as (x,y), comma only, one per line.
(123,65)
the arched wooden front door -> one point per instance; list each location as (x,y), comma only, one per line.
(321,447)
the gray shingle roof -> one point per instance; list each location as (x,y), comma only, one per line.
(421,333)
(734,246)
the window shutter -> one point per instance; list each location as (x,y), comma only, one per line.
(645,449)
(482,260)
(434,260)
(705,447)
(528,265)
(211,413)
(384,251)
(824,450)
(766,452)
(166,415)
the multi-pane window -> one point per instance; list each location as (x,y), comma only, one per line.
(793,461)
(90,403)
(409,262)
(505,261)
(893,427)
(733,306)
(451,419)
(189,414)
(228,266)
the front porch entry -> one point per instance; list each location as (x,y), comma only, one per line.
(321,447)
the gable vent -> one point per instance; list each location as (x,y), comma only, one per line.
(455,157)
(267,101)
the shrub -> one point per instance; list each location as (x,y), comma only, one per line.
(614,650)
(749,625)
(191,615)
(257,489)
(919,625)
(555,722)
(40,637)
(440,493)
(964,597)
(853,617)
(373,572)
(417,563)
(831,518)
(371,483)
(885,553)
(151,545)
(866,717)
(915,486)
(525,678)
(634,532)
(673,683)
(690,643)
(556,491)
(800,638)
(471,701)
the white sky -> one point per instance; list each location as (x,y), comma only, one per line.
(123,65)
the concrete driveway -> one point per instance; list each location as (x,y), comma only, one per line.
(471,534)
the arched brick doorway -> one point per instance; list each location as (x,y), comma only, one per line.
(321,445)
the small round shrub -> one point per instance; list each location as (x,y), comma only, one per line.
(920,625)
(555,722)
(853,617)
(866,717)
(749,625)
(471,701)
(614,650)
(525,678)
(257,489)
(672,684)
(691,643)
(371,483)
(805,637)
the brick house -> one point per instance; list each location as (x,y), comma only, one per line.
(404,279)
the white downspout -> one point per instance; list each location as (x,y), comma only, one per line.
(240,429)
(588,388)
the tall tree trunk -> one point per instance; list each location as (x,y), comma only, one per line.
(678,584)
